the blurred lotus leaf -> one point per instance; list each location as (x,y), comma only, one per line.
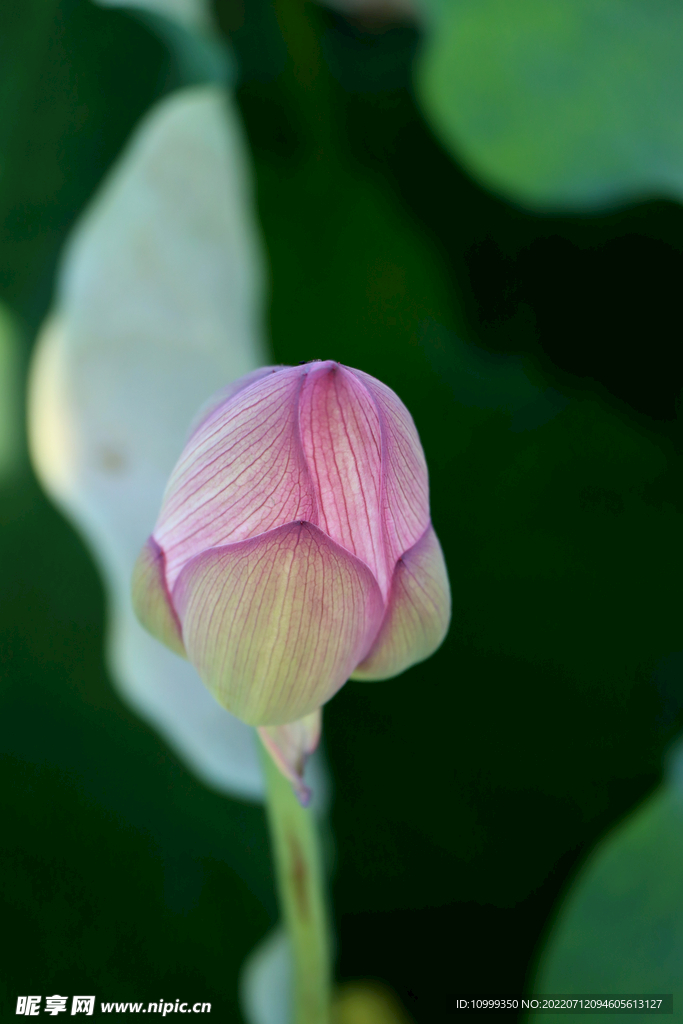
(266,980)
(186,28)
(377,12)
(620,928)
(266,986)
(190,13)
(559,104)
(158,303)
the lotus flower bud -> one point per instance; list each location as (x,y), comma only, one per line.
(294,547)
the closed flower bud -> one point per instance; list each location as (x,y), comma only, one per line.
(294,547)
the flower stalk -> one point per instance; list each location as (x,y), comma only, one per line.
(296,853)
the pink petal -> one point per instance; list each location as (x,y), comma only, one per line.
(340,436)
(220,398)
(241,474)
(418,613)
(405,482)
(151,600)
(276,624)
(290,745)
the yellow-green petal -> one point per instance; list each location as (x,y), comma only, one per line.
(276,624)
(151,599)
(418,613)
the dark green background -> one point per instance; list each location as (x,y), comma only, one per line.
(468,790)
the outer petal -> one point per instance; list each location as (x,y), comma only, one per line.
(241,474)
(405,483)
(418,614)
(220,398)
(151,600)
(341,440)
(276,624)
(290,745)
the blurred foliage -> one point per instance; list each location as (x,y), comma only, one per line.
(468,789)
(11,407)
(366,1003)
(119,869)
(621,929)
(560,104)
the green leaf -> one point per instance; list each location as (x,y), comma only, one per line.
(621,926)
(562,104)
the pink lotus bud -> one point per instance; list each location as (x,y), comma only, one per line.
(294,546)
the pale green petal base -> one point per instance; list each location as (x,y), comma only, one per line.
(151,601)
(275,625)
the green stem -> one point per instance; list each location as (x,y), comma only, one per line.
(298,868)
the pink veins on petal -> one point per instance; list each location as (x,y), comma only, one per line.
(319,443)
